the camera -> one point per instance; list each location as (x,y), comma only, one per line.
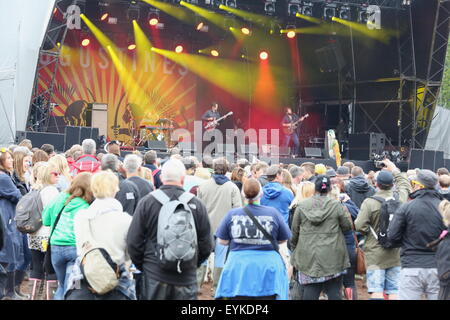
(380,164)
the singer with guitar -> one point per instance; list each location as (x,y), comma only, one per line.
(212,114)
(289,125)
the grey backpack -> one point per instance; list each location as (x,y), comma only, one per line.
(176,236)
(29,212)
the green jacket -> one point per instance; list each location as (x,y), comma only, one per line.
(64,234)
(376,256)
(318,237)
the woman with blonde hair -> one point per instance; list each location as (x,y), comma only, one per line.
(66,206)
(146,173)
(60,165)
(106,221)
(44,180)
(287,181)
(305,191)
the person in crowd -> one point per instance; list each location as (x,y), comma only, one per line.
(71,155)
(350,165)
(132,165)
(287,181)
(442,171)
(22,167)
(331,173)
(39,156)
(190,180)
(60,165)
(49,149)
(358,188)
(371,178)
(207,162)
(204,175)
(306,190)
(45,180)
(114,148)
(26,143)
(297,175)
(318,244)
(87,162)
(348,279)
(219,195)
(150,158)
(106,220)
(383,265)
(259,172)
(251,257)
(275,194)
(237,177)
(128,194)
(442,247)
(12,251)
(444,184)
(320,169)
(162,284)
(415,224)
(63,245)
(343,173)
(309,171)
(146,174)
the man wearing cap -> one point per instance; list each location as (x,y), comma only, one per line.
(415,224)
(383,265)
(275,194)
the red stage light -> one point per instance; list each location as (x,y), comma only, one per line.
(179,49)
(264,55)
(291,34)
(104,16)
(85,42)
(131,47)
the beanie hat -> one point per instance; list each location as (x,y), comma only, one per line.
(343,170)
(428,178)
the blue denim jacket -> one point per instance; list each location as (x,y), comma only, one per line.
(126,284)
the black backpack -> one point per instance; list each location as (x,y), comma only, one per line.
(387,211)
(29,212)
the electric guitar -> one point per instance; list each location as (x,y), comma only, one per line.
(290,129)
(211,125)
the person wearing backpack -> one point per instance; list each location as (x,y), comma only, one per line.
(414,225)
(63,246)
(382,261)
(169,256)
(103,227)
(11,255)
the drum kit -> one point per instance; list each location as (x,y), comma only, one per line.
(160,131)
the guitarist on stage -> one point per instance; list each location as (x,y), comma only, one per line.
(212,114)
(289,126)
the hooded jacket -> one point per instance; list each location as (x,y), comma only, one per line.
(415,224)
(86,163)
(318,242)
(358,190)
(275,195)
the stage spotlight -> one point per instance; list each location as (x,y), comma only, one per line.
(104,16)
(202,27)
(230,3)
(153,21)
(363,16)
(263,55)
(131,47)
(246,31)
(291,34)
(179,49)
(307,9)
(293,7)
(85,42)
(345,13)
(269,7)
(329,11)
(214,53)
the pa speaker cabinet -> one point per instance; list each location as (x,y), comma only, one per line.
(156,145)
(361,146)
(40,138)
(439,160)
(72,136)
(416,159)
(428,159)
(313,152)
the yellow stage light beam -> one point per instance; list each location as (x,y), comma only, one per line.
(308,18)
(256,18)
(173,10)
(143,44)
(214,17)
(228,74)
(101,37)
(383,35)
(308,30)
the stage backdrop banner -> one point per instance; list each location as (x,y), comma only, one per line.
(137,92)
